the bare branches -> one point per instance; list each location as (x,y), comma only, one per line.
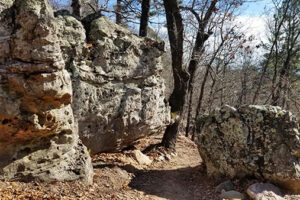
(192,11)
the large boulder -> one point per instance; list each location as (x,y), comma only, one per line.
(259,141)
(117,85)
(38,135)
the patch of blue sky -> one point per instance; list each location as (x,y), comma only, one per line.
(256,8)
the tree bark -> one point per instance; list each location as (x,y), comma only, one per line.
(200,100)
(144,17)
(118,12)
(177,99)
(76,7)
(200,39)
(283,82)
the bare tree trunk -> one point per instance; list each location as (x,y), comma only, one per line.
(274,79)
(118,12)
(196,54)
(283,81)
(200,100)
(242,97)
(222,87)
(277,32)
(288,103)
(285,93)
(177,99)
(212,92)
(144,17)
(211,95)
(200,39)
(76,7)
(201,91)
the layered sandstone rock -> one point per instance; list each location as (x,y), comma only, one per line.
(38,134)
(117,85)
(260,141)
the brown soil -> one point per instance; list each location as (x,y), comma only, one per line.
(119,176)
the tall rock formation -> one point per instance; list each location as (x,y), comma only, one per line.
(38,134)
(48,71)
(119,94)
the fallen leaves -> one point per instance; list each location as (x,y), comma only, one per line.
(45,191)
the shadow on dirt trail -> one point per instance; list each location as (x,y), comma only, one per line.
(180,178)
(177,184)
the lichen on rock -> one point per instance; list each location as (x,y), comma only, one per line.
(260,141)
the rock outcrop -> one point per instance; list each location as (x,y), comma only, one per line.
(54,83)
(260,141)
(117,85)
(38,134)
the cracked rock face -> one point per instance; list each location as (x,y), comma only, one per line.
(53,83)
(117,85)
(260,141)
(38,134)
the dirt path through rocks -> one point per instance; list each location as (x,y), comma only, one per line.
(181,178)
(120,176)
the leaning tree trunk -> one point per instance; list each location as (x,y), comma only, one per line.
(199,43)
(76,7)
(144,18)
(177,99)
(200,39)
(200,100)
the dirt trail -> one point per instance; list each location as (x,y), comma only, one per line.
(180,178)
(119,176)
